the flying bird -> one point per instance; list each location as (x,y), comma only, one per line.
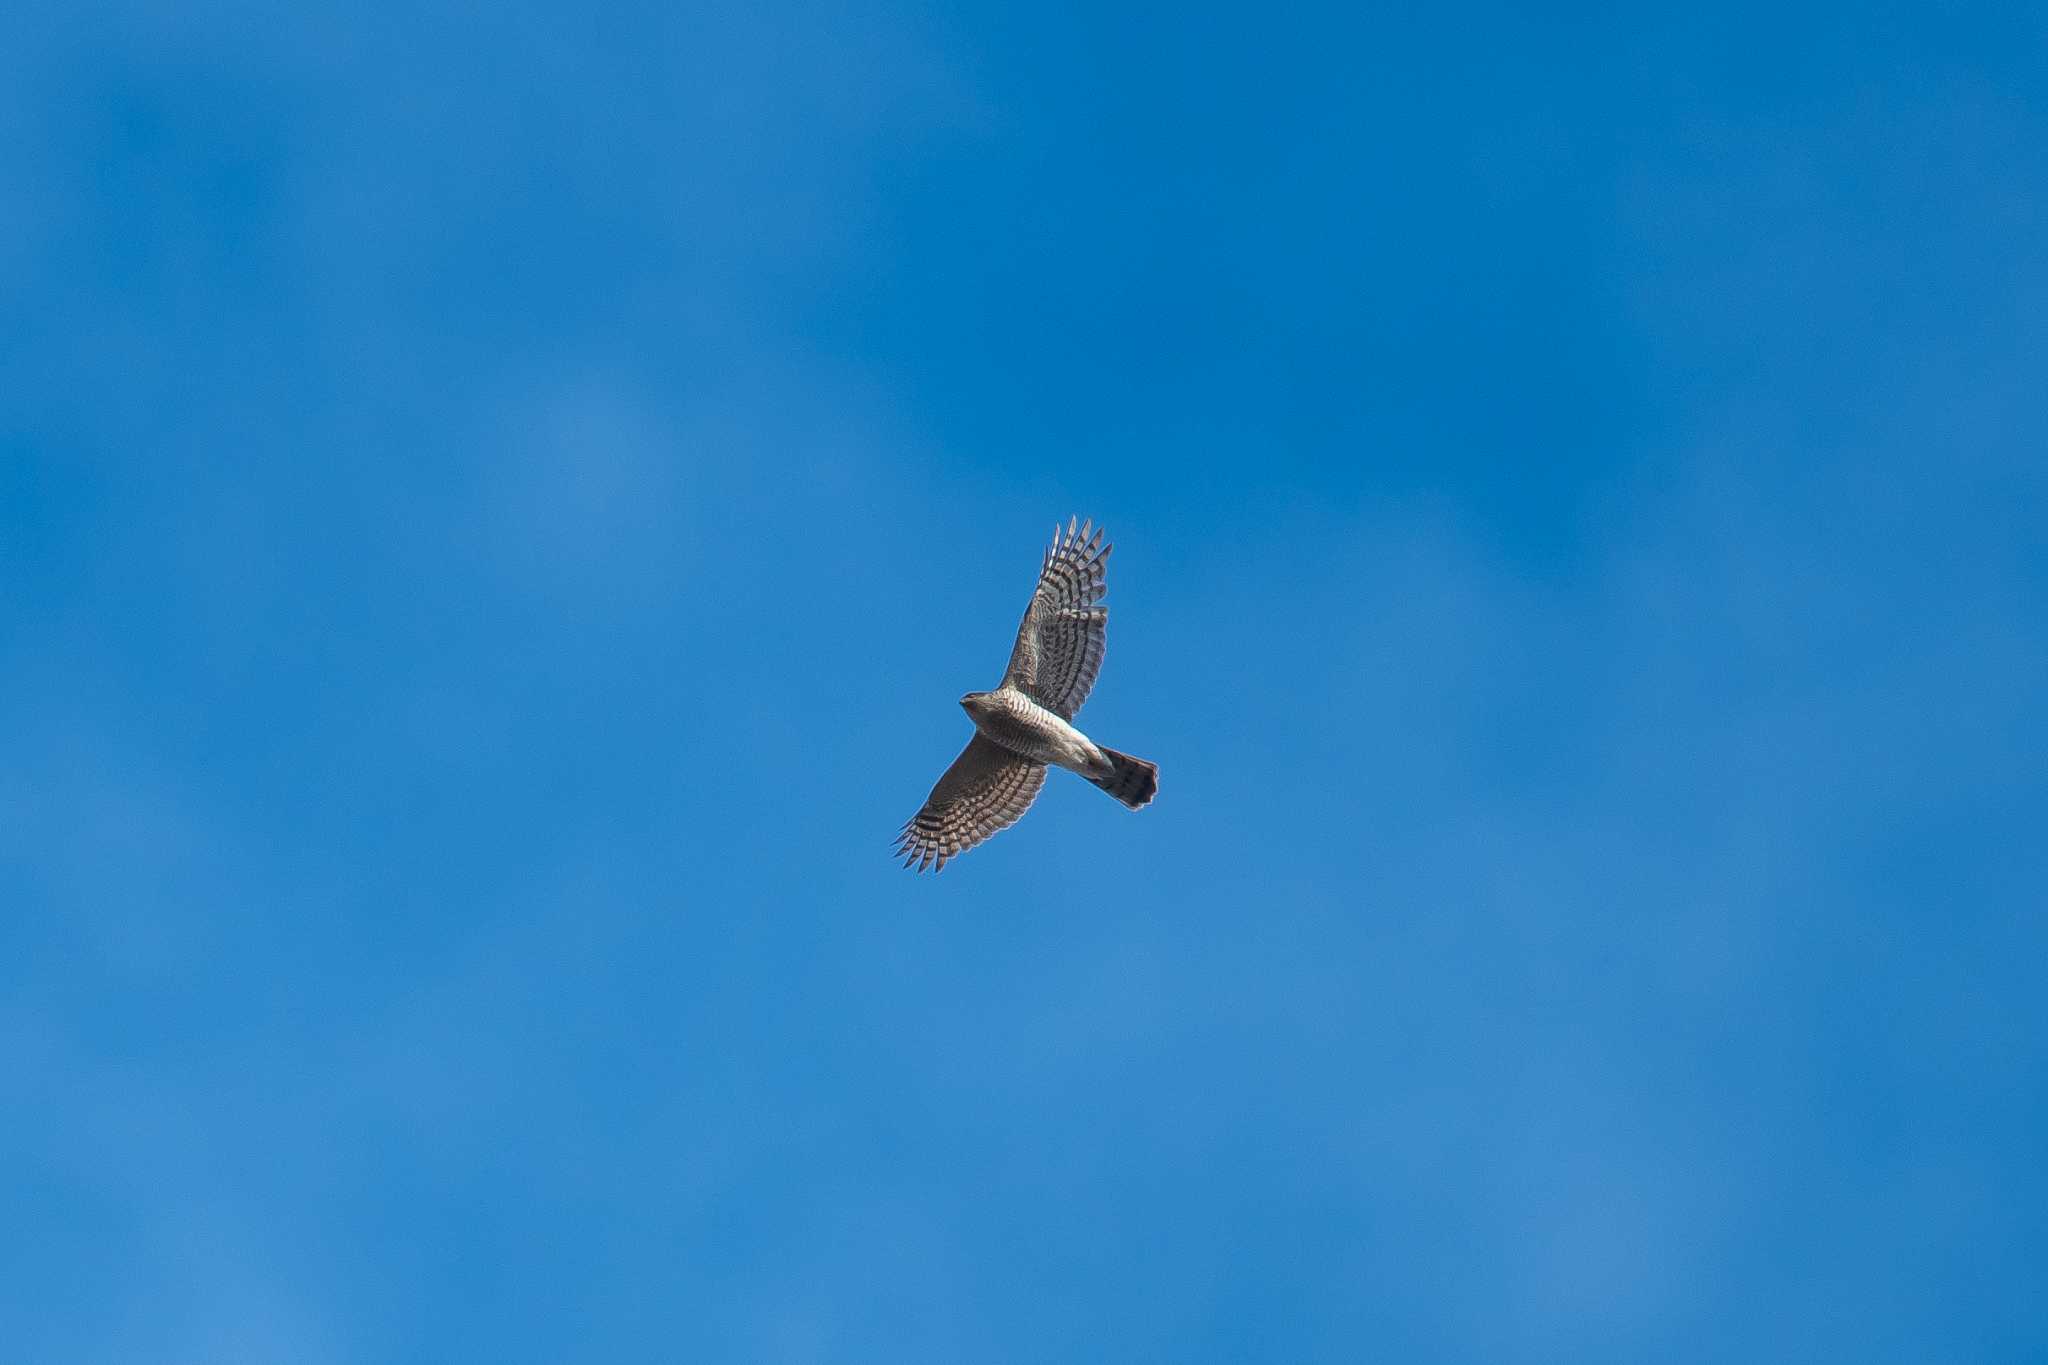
(1026,723)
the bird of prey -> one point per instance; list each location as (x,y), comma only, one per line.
(1026,723)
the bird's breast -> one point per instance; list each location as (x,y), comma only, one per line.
(1024,727)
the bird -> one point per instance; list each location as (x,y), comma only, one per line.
(1026,724)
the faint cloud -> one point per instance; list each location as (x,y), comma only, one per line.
(589,491)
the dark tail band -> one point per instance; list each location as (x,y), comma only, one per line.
(1132,781)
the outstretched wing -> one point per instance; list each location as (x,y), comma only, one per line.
(983,793)
(1060,644)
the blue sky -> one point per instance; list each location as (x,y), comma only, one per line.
(496,507)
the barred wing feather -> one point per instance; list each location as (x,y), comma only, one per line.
(986,791)
(1065,629)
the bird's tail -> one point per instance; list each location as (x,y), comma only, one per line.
(1132,781)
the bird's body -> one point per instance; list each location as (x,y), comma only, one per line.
(1026,724)
(1025,728)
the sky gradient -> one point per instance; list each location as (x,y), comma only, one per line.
(497,507)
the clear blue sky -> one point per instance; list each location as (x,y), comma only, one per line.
(497,505)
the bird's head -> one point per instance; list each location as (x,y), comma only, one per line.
(975,702)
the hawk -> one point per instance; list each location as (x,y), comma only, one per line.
(1026,723)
